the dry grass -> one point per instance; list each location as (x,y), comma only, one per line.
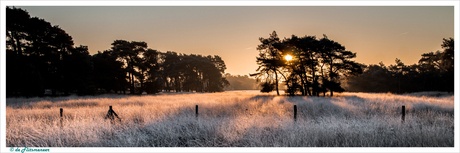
(231,119)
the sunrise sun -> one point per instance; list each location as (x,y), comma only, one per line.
(288,57)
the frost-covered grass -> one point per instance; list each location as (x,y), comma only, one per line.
(232,119)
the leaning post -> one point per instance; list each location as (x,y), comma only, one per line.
(111,115)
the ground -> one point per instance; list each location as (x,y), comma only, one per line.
(233,119)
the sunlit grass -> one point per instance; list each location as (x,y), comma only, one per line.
(231,119)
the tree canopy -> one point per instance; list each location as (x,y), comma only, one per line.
(317,65)
(270,62)
(42,59)
(41,56)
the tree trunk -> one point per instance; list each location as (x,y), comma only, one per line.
(330,71)
(18,45)
(142,84)
(306,86)
(276,83)
(132,81)
(177,84)
(130,87)
(302,85)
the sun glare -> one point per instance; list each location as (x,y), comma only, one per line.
(288,57)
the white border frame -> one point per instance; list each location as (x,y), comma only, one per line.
(454,3)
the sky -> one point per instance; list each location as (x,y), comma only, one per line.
(375,33)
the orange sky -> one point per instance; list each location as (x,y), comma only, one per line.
(375,33)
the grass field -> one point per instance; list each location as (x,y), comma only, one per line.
(232,119)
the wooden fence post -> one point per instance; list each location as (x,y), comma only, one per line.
(196,111)
(295,113)
(111,115)
(60,112)
(403,112)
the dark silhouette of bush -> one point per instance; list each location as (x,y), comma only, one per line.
(267,87)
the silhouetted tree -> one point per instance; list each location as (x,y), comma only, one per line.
(306,63)
(200,73)
(17,21)
(335,61)
(448,54)
(109,73)
(191,72)
(130,54)
(441,61)
(21,69)
(151,67)
(218,62)
(181,72)
(168,71)
(317,65)
(219,81)
(77,72)
(270,59)
(38,50)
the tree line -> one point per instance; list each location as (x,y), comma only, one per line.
(42,57)
(316,67)
(319,65)
(433,72)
